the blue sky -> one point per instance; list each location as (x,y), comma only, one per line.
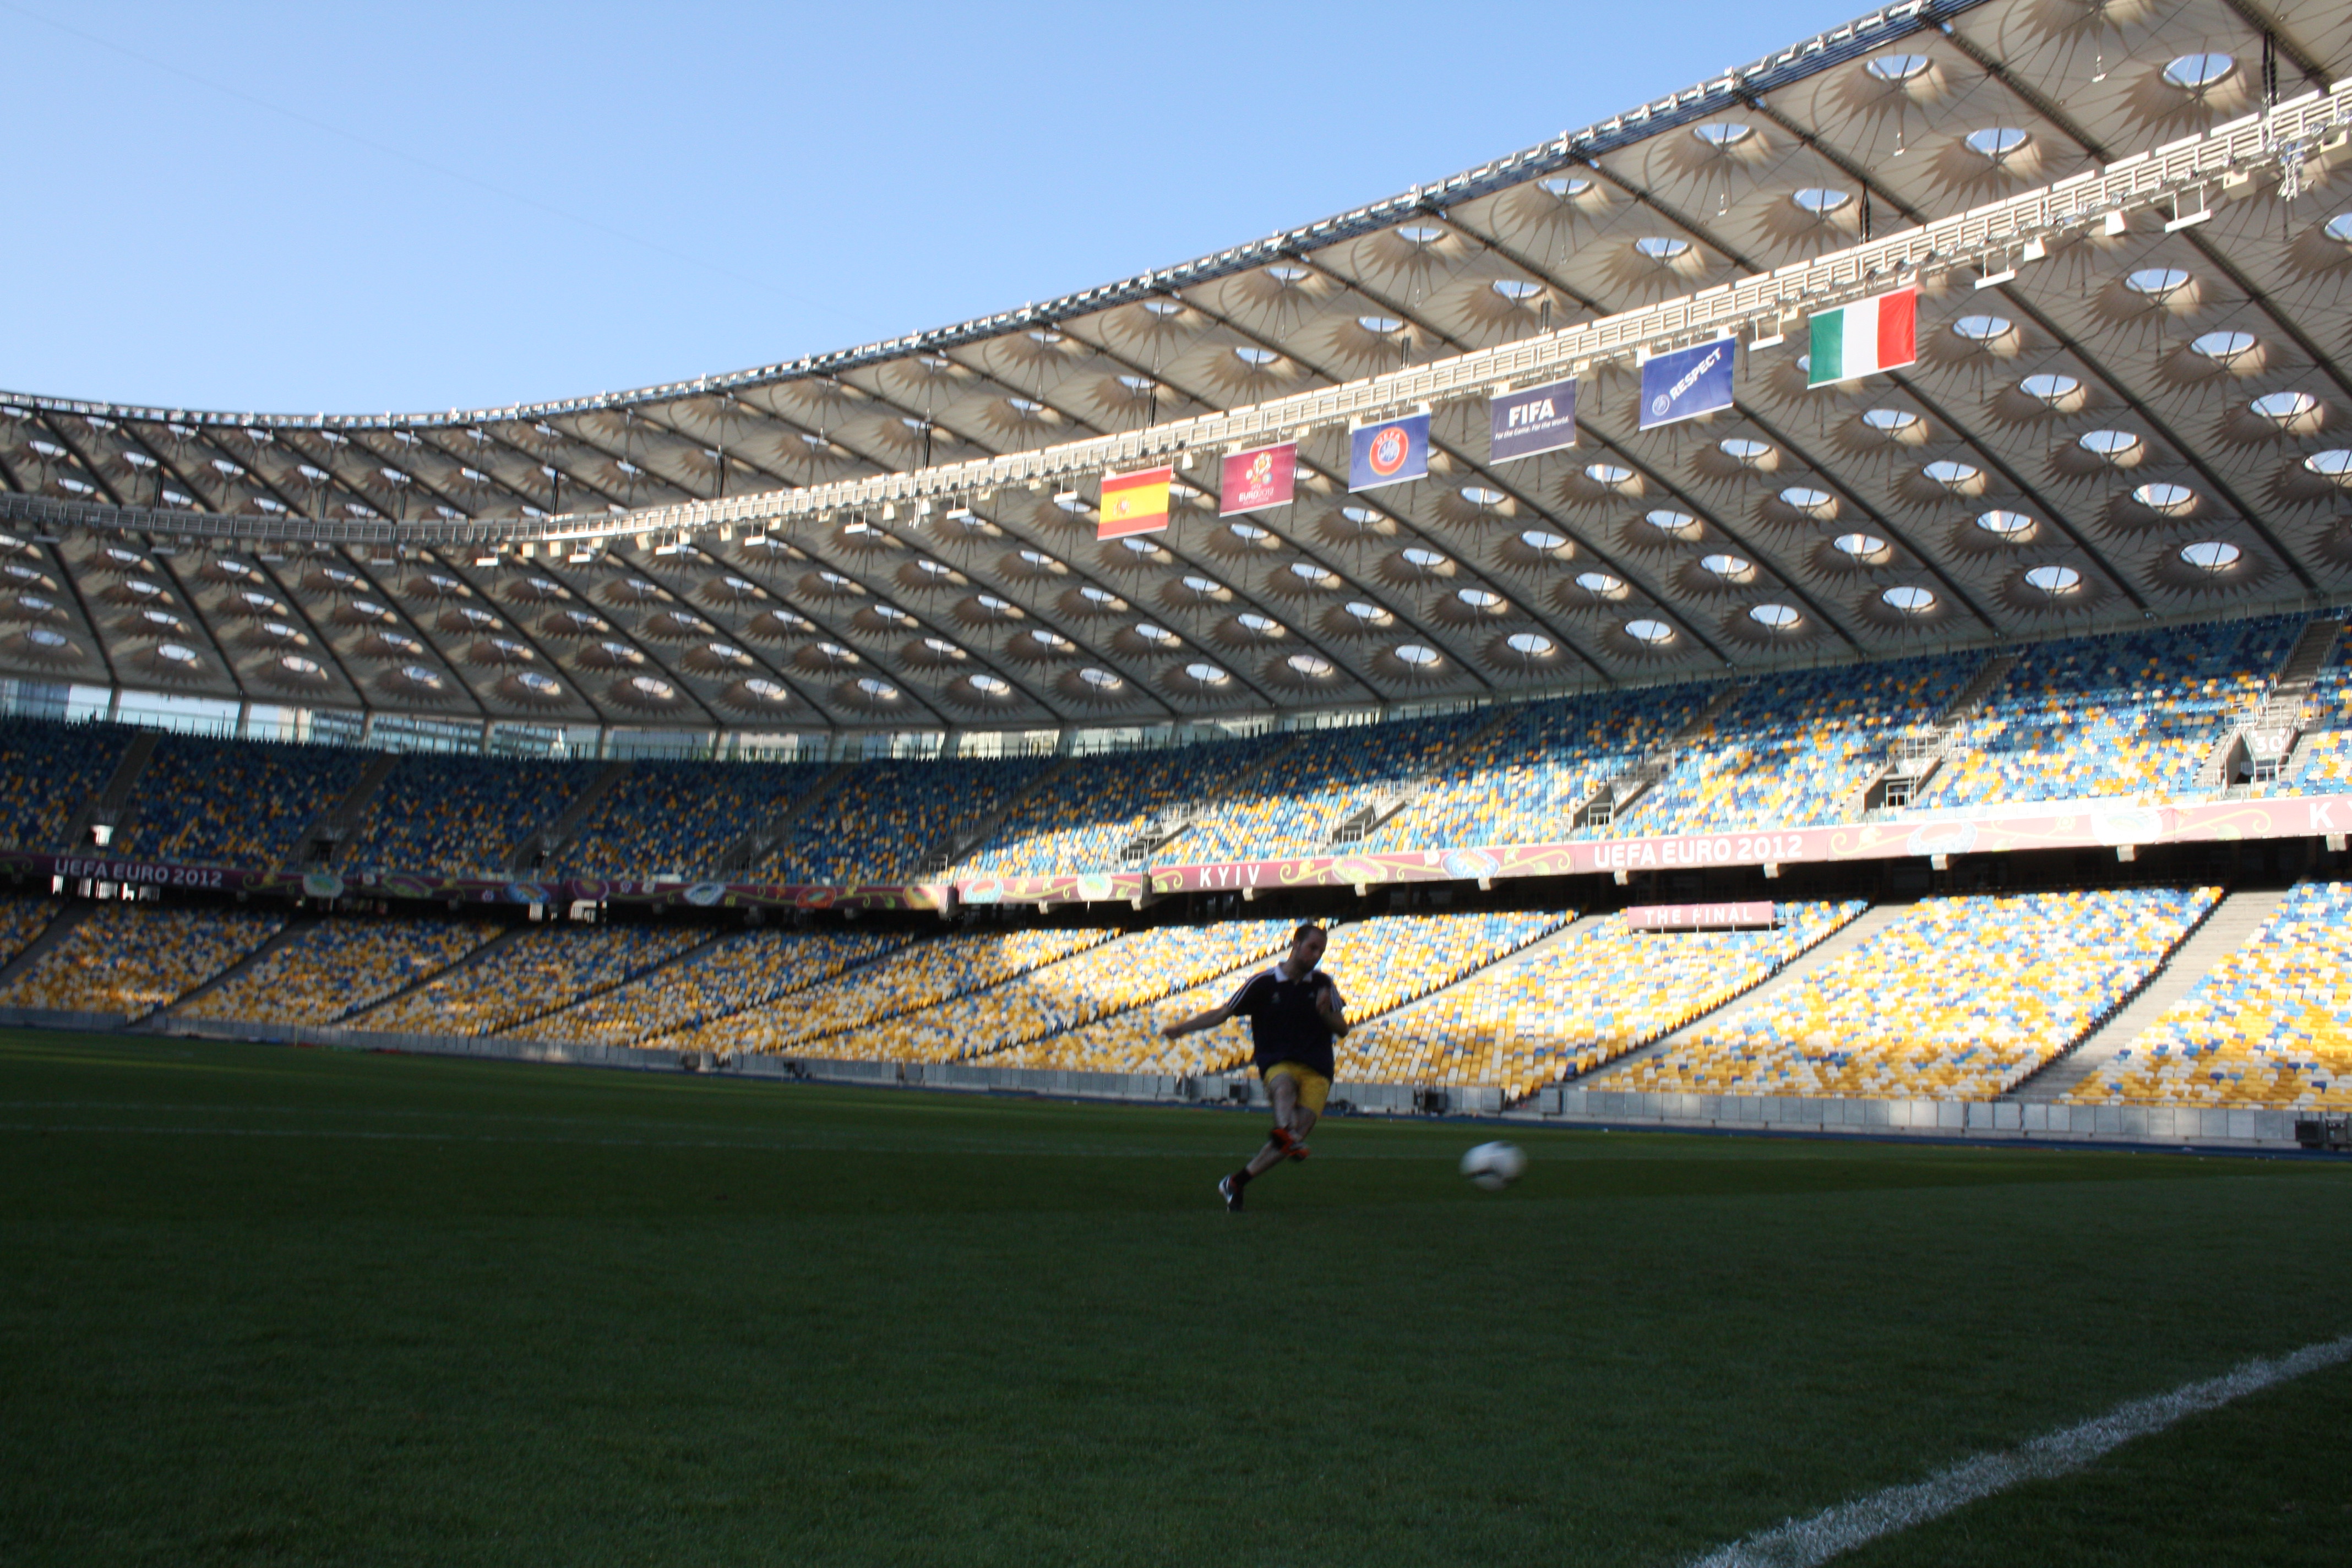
(359,207)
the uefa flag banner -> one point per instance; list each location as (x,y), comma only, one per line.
(1252,482)
(1134,503)
(1389,454)
(1531,422)
(1881,333)
(1687,382)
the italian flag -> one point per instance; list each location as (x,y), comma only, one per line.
(1881,333)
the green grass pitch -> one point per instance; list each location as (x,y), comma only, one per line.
(267,1306)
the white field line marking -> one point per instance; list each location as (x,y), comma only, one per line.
(1802,1543)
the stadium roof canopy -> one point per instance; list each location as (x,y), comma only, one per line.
(2131,229)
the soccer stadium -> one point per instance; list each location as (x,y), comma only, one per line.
(593,980)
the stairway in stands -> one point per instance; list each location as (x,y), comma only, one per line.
(738,858)
(539,847)
(2230,927)
(1844,940)
(1616,796)
(326,838)
(108,807)
(2279,711)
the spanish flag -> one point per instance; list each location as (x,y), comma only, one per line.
(1134,503)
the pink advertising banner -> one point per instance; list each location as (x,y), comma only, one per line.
(1252,482)
(1698,917)
(2063,825)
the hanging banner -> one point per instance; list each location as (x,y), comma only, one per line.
(1881,333)
(1252,482)
(1687,382)
(1134,503)
(1532,421)
(1389,454)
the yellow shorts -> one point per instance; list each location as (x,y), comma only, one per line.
(1313,1087)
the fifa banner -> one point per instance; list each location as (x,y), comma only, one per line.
(1687,382)
(1871,335)
(1389,454)
(1529,423)
(1253,481)
(1134,503)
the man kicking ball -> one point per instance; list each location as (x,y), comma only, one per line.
(1295,1013)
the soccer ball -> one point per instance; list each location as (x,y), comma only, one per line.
(1494,1166)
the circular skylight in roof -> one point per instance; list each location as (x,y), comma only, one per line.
(167,620)
(2156,282)
(2338,228)
(1897,68)
(1381,324)
(1543,541)
(1250,531)
(1163,307)
(1361,516)
(1774,617)
(1255,358)
(1480,495)
(996,605)
(1909,599)
(1420,656)
(2107,444)
(539,685)
(2195,73)
(1983,329)
(1889,421)
(879,690)
(1094,596)
(35,603)
(1419,233)
(2170,499)
(621,652)
(1725,565)
(440,580)
(1530,645)
(1646,630)
(2054,580)
(2048,388)
(1518,290)
(1678,523)
(894,615)
(147,590)
(1821,201)
(766,691)
(1202,585)
(1996,143)
(1207,674)
(1722,133)
(1951,475)
(1038,558)
(1310,572)
(42,637)
(727,652)
(400,642)
(1369,613)
(1424,559)
(1608,474)
(2222,348)
(944,648)
(1806,498)
(653,686)
(1606,584)
(1156,634)
(837,653)
(178,653)
(1053,641)
(368,608)
(935,568)
(1314,667)
(1861,546)
(1259,625)
(1742,449)
(1660,247)
(295,664)
(991,685)
(2211,555)
(1101,679)
(1285,272)
(419,674)
(1564,186)
(2284,407)
(1479,598)
(1024,405)
(2335,463)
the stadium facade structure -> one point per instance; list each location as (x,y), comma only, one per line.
(2130,227)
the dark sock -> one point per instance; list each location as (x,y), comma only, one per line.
(1240,1178)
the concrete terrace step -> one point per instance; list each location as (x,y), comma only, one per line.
(2228,928)
(1829,949)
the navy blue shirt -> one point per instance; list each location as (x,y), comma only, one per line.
(1284,1024)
